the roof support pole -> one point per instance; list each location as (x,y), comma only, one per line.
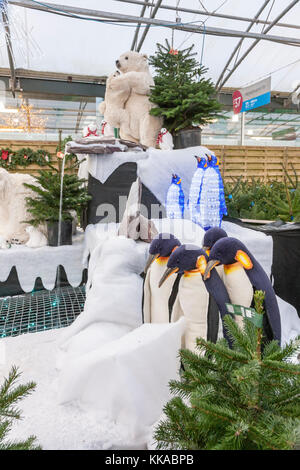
(274,22)
(136,33)
(208,13)
(145,32)
(240,43)
(9,53)
(106,15)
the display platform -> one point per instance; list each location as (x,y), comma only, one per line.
(110,177)
(24,269)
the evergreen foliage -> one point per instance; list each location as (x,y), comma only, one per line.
(23,157)
(183,97)
(254,199)
(243,398)
(45,206)
(10,395)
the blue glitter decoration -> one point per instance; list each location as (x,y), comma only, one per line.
(223,208)
(175,199)
(195,189)
(212,198)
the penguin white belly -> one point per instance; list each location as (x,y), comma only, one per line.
(159,296)
(194,300)
(238,286)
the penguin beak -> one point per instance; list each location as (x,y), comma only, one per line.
(166,274)
(150,261)
(210,265)
(206,249)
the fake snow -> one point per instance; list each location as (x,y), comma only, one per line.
(102,382)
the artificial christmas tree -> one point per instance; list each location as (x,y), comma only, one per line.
(10,395)
(184,98)
(45,207)
(241,398)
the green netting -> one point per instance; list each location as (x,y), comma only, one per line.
(41,310)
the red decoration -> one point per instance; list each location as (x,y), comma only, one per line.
(173,51)
(25,156)
(91,133)
(60,155)
(4,154)
(160,136)
(102,128)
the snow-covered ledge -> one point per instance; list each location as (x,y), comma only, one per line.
(32,263)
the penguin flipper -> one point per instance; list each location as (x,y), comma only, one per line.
(173,295)
(213,318)
(147,299)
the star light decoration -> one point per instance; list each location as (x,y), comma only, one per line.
(27,119)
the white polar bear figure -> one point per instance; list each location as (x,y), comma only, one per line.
(13,209)
(36,238)
(113,105)
(135,74)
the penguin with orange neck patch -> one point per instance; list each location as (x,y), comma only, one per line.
(228,251)
(158,303)
(194,302)
(236,281)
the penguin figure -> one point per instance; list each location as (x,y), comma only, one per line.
(158,303)
(165,140)
(236,281)
(209,202)
(229,250)
(199,301)
(195,189)
(175,199)
(211,237)
(215,166)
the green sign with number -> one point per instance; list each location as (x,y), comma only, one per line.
(246,312)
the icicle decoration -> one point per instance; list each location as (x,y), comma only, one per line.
(175,199)
(195,189)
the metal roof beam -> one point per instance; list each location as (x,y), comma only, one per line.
(274,22)
(152,21)
(145,32)
(136,33)
(13,80)
(240,43)
(207,13)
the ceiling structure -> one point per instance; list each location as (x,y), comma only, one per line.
(66,48)
(238,41)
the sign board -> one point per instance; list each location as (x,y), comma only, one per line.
(285,134)
(252,96)
(246,312)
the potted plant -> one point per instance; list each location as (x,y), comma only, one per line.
(44,208)
(183,97)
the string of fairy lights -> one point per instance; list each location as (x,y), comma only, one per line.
(24,118)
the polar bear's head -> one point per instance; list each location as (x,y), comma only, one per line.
(111,78)
(132,62)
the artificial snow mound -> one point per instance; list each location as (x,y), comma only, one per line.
(126,380)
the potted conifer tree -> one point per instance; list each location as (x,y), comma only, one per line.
(183,97)
(44,208)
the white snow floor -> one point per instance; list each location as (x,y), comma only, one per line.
(66,426)
(56,426)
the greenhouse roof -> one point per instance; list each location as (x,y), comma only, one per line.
(85,38)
